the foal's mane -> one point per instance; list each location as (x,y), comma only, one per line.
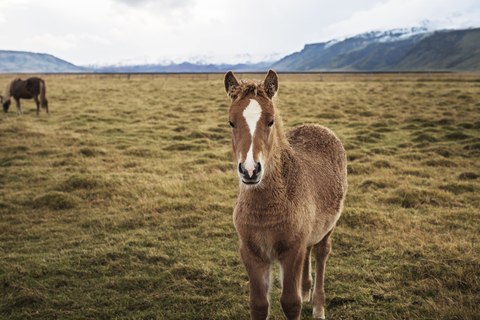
(246,86)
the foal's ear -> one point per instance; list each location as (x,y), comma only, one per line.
(231,83)
(271,83)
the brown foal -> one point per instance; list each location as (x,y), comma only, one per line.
(291,193)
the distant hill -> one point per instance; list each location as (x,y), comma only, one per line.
(397,50)
(29,62)
(186,67)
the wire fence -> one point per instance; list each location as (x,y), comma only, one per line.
(284,76)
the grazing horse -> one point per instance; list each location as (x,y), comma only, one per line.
(291,193)
(25,89)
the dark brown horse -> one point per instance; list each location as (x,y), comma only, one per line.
(25,89)
(292,188)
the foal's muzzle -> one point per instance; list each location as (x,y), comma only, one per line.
(245,176)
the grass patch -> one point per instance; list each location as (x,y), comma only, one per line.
(408,197)
(468,176)
(382,164)
(424,137)
(376,184)
(458,188)
(55,200)
(456,136)
(330,115)
(441,163)
(109,212)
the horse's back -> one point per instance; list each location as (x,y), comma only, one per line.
(26,89)
(319,144)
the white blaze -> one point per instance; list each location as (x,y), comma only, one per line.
(252,114)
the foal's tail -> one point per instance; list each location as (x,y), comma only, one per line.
(43,99)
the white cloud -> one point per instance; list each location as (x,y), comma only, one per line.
(164,4)
(109,31)
(173,12)
(48,40)
(64,43)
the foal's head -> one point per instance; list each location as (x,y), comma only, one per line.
(252,119)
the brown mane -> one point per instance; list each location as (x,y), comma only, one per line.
(246,86)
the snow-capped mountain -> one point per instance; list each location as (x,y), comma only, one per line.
(417,48)
(391,35)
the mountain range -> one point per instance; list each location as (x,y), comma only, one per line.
(415,49)
(186,67)
(396,50)
(29,62)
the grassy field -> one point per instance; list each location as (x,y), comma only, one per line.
(118,204)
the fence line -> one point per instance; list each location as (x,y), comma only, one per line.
(285,76)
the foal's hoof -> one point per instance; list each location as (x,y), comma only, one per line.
(318,314)
(306,296)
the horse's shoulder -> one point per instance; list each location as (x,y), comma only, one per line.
(15,82)
(313,141)
(310,133)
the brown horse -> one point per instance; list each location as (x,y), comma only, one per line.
(25,89)
(291,193)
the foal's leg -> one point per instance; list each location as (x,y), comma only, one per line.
(307,276)
(291,299)
(258,272)
(38,104)
(19,107)
(321,251)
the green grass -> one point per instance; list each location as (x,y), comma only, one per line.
(118,204)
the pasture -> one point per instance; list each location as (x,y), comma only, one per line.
(118,204)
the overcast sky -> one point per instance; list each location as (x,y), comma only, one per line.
(112,31)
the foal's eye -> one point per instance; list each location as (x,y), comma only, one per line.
(270,124)
(231,124)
